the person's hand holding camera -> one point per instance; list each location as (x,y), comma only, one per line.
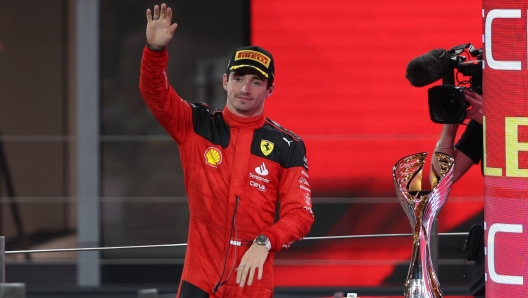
(475,112)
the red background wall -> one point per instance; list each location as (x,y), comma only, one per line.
(341,86)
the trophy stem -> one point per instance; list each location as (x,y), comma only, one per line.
(422,283)
(421,208)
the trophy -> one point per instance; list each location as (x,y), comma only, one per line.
(421,208)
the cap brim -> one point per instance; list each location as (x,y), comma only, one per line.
(265,74)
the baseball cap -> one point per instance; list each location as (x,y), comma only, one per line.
(255,57)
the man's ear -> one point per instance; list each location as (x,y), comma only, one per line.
(224,81)
(270,90)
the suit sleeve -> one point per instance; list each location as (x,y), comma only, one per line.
(296,215)
(171,111)
(471,141)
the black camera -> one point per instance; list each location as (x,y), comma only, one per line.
(447,103)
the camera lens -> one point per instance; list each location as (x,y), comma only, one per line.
(449,104)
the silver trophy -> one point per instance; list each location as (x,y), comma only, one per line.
(422,207)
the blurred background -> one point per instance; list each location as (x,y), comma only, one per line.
(85,164)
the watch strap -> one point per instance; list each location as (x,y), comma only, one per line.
(268,245)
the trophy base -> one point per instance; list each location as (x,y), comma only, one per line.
(416,289)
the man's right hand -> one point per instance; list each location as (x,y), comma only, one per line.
(159,28)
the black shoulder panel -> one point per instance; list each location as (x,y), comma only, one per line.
(210,125)
(278,126)
(280,145)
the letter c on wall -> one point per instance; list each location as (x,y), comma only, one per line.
(499,278)
(499,14)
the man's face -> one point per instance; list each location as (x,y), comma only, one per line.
(246,91)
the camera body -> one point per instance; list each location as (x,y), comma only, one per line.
(447,103)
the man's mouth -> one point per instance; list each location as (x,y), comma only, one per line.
(244,97)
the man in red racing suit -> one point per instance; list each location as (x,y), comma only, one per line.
(238,166)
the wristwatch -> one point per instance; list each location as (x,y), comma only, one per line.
(263,240)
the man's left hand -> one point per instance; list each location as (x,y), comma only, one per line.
(253,258)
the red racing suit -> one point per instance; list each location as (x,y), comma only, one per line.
(237,170)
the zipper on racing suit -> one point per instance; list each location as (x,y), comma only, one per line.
(233,228)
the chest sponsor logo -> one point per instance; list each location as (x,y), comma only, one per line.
(266,147)
(213,157)
(259,178)
(261,170)
(258,186)
(304,181)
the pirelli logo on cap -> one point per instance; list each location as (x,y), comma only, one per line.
(253,55)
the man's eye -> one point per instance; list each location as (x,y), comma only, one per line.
(258,83)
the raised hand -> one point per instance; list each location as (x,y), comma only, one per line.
(159,28)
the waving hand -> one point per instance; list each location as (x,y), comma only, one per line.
(159,27)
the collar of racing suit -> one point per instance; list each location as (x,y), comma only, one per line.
(234,120)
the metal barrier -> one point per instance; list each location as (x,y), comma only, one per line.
(14,290)
(185,244)
(148,293)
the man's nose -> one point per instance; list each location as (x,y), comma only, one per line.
(246,87)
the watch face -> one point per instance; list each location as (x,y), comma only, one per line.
(262,240)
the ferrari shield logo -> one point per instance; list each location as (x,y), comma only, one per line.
(266,147)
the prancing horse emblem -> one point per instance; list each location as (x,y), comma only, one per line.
(266,147)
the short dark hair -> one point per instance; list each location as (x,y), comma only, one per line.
(269,84)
